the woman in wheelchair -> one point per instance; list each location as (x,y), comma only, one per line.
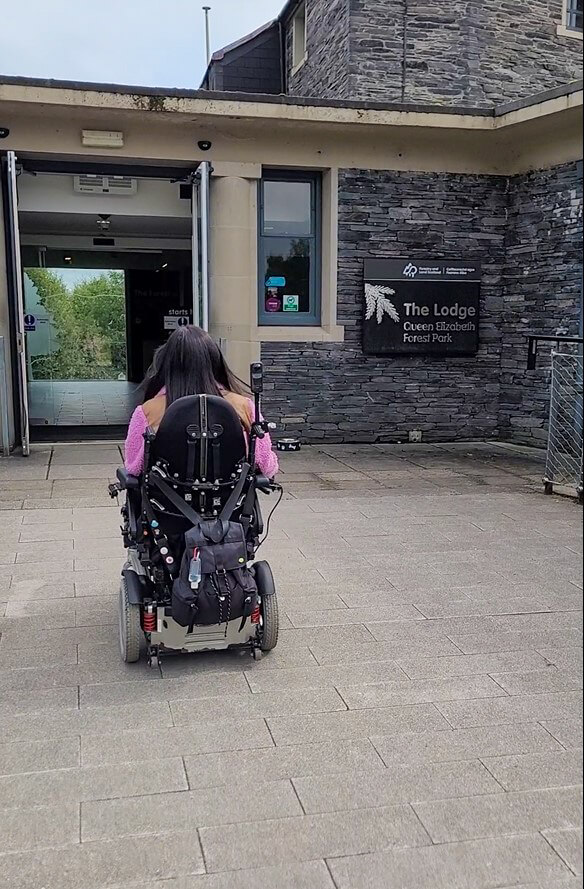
(197,453)
(190,363)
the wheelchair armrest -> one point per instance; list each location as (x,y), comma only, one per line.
(126,481)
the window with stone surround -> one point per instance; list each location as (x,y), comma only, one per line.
(289,248)
(572,18)
(299,36)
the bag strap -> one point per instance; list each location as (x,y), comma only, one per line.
(227,510)
(183,507)
(188,512)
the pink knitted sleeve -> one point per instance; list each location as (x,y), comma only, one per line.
(134,447)
(266,459)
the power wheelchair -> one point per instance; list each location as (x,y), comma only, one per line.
(192,525)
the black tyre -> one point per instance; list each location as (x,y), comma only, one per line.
(270,616)
(130,629)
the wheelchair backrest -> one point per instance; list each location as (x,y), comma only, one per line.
(199,446)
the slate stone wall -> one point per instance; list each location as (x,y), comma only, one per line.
(325,74)
(525,232)
(334,392)
(542,290)
(453,52)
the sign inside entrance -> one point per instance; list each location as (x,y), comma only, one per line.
(177,318)
(30,323)
(428,307)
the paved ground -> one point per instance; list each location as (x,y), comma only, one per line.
(81,402)
(416,728)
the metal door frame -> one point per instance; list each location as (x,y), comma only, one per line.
(16,293)
(200,236)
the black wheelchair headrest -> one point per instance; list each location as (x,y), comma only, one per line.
(201,437)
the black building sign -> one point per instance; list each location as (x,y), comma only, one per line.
(417,307)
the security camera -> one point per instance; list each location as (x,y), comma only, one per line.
(204,144)
(5,132)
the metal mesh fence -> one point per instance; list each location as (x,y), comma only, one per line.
(564,453)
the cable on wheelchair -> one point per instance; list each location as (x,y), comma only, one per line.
(272,511)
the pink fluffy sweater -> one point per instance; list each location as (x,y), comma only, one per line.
(266,459)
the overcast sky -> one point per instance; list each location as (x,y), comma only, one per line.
(142,42)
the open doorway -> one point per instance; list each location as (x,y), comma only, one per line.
(107,270)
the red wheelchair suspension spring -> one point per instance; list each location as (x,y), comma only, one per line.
(149,619)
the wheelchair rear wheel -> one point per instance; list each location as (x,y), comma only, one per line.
(130,629)
(270,615)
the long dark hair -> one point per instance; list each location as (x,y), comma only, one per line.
(182,366)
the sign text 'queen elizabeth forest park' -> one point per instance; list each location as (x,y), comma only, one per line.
(415,307)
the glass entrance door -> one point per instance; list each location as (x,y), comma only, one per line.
(76,346)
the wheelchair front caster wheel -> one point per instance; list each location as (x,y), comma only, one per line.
(256,654)
(153,660)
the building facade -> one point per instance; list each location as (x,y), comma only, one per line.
(456,53)
(342,135)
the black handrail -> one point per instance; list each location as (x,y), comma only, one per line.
(534,338)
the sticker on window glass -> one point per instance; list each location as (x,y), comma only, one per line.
(276,282)
(291,302)
(273,302)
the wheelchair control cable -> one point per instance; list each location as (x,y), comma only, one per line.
(272,511)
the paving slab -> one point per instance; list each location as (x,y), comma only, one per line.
(301,875)
(315,728)
(41,828)
(452,820)
(163,740)
(316,836)
(89,783)
(568,845)
(403,783)
(169,812)
(505,710)
(338,757)
(470,743)
(472,664)
(105,863)
(264,704)
(39,756)
(484,864)
(567,731)
(418,691)
(535,770)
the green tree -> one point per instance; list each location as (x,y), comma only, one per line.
(90,326)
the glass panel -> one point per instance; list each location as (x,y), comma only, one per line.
(76,339)
(575,14)
(287,273)
(287,208)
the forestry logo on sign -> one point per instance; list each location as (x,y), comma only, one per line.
(376,303)
(411,270)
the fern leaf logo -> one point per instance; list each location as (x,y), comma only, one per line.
(378,304)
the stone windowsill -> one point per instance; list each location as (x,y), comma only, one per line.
(296,68)
(283,334)
(562,31)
